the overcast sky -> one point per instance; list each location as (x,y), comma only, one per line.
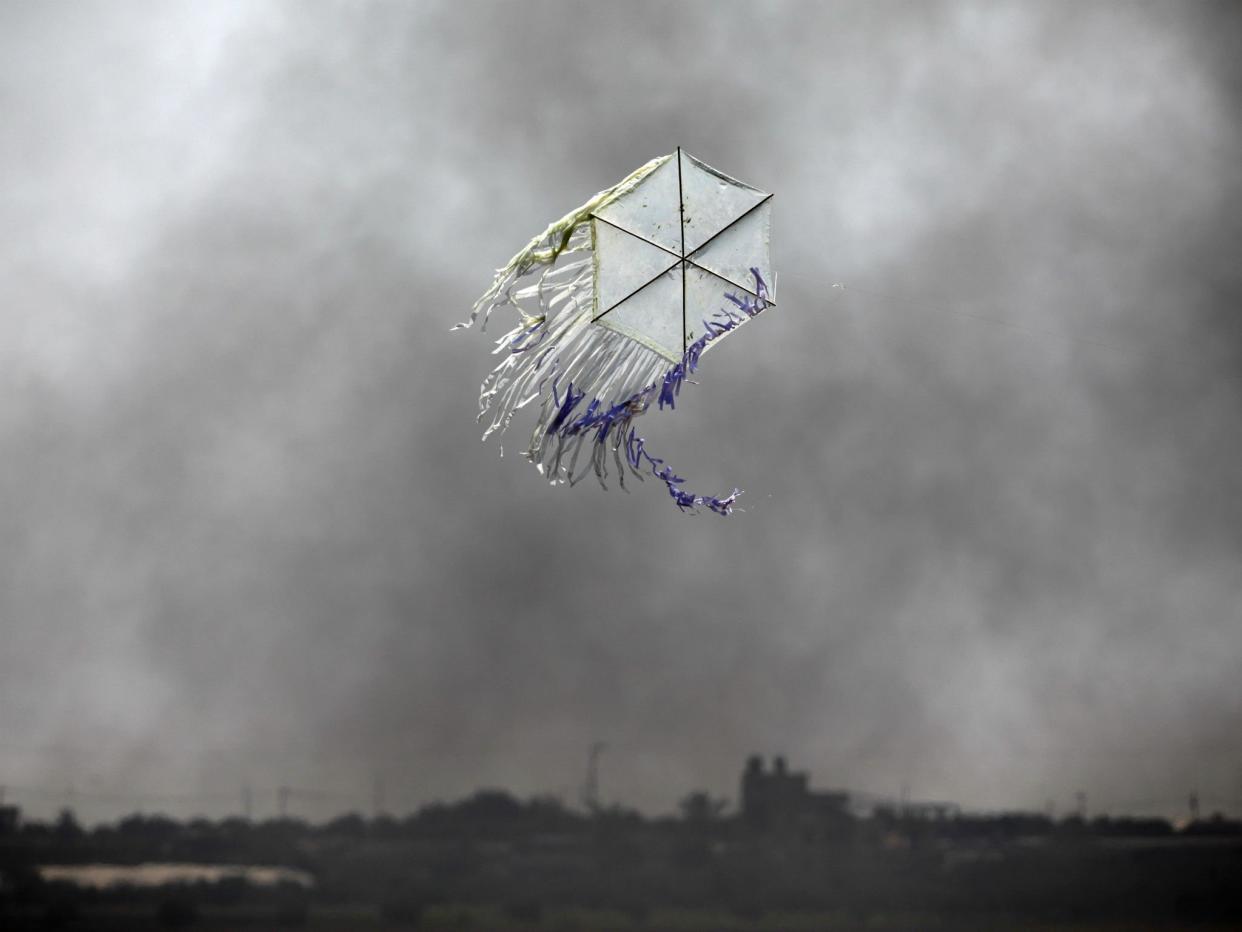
(992,548)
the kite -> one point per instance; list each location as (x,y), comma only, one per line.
(617,302)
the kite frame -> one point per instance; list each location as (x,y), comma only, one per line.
(682,259)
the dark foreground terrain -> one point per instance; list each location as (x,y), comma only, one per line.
(492,862)
(484,919)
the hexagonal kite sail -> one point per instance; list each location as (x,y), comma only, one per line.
(617,302)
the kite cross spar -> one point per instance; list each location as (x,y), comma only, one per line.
(617,302)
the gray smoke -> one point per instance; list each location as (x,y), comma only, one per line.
(993,532)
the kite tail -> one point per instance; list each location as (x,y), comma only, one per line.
(569,421)
(556,344)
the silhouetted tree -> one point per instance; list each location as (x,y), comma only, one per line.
(67,827)
(351,825)
(699,808)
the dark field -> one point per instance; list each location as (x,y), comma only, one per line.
(454,917)
(493,862)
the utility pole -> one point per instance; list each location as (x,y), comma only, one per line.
(247,803)
(1194,806)
(282,799)
(590,787)
(1081,798)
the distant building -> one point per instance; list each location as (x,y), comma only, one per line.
(779,801)
(10,816)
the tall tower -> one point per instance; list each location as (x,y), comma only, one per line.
(752,794)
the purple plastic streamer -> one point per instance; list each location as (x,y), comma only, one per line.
(615,421)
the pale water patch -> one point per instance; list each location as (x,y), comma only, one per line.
(106,876)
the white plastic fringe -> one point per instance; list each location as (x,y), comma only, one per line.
(555,349)
(547,247)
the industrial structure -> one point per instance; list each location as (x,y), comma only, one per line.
(781,802)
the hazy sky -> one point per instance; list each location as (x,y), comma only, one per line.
(993,540)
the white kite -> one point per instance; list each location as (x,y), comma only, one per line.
(617,302)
